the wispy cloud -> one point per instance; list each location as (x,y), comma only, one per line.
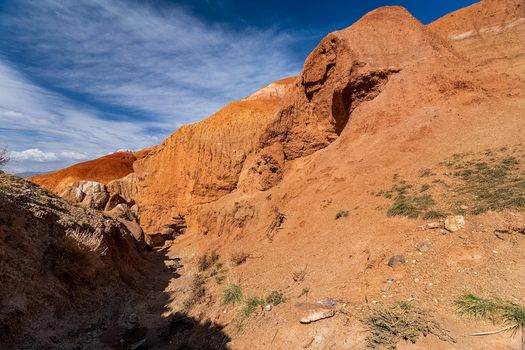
(159,60)
(43,127)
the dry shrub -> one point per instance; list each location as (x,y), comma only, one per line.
(208,260)
(239,258)
(299,275)
(401,322)
(91,242)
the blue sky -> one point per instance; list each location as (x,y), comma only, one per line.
(83,78)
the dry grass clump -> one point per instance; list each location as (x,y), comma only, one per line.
(299,275)
(208,260)
(401,322)
(86,240)
(197,292)
(341,214)
(239,258)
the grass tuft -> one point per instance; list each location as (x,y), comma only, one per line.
(233,294)
(275,298)
(474,306)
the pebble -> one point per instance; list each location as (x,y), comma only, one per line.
(396,260)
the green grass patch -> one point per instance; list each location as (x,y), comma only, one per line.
(466,183)
(511,315)
(275,298)
(251,305)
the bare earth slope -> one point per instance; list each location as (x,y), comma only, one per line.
(490,33)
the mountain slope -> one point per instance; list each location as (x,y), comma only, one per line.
(489,33)
(104,169)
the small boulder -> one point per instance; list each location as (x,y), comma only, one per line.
(114,200)
(454,223)
(121,211)
(396,260)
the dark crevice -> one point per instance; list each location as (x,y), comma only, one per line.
(360,89)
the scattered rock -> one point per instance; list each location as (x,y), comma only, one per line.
(424,245)
(433,225)
(174,264)
(114,200)
(327,302)
(268,307)
(396,260)
(316,315)
(154,240)
(454,223)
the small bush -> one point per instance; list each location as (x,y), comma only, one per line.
(424,187)
(251,305)
(275,298)
(233,294)
(388,326)
(341,214)
(207,260)
(433,214)
(239,258)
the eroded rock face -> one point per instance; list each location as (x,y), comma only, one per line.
(95,195)
(202,162)
(61,259)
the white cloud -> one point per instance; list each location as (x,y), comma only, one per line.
(34,154)
(37,155)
